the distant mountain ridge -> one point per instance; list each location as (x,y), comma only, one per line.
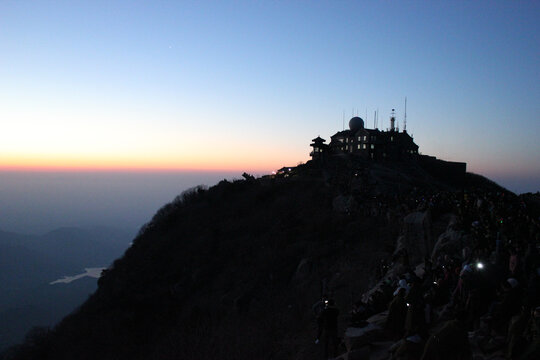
(28,263)
(72,246)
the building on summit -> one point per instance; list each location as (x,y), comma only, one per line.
(368,143)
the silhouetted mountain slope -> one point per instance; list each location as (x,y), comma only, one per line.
(231,272)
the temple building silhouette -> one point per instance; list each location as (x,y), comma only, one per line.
(380,145)
(368,143)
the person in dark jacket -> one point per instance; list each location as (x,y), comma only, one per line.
(509,306)
(415,318)
(397,312)
(328,326)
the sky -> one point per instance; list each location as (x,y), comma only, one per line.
(245,85)
(36,202)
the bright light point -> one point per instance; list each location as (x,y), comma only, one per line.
(479,265)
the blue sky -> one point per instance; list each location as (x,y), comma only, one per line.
(247,84)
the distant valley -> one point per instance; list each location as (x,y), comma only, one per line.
(45,277)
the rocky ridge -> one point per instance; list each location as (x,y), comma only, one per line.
(232,271)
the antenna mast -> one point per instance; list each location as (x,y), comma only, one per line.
(393,120)
(405,120)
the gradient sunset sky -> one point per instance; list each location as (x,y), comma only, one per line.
(245,85)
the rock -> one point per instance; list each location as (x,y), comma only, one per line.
(379,319)
(356,338)
(359,354)
(303,270)
(242,302)
(344,204)
(380,350)
(449,242)
(417,236)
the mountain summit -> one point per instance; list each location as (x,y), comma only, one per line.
(233,271)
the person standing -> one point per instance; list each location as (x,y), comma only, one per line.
(328,326)
(397,313)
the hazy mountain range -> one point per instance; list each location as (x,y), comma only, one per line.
(29,263)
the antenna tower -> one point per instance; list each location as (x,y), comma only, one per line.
(405,120)
(392,120)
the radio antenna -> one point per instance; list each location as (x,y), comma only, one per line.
(405,120)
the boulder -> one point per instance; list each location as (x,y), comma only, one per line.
(379,319)
(380,350)
(356,338)
(303,270)
(344,204)
(450,242)
(358,354)
(417,236)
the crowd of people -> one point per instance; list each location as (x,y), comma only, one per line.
(483,298)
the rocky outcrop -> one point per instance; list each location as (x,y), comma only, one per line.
(231,272)
(344,204)
(450,242)
(417,237)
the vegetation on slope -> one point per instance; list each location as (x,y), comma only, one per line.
(232,271)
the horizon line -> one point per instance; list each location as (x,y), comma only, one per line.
(38,169)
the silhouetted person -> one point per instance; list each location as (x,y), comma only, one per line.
(397,312)
(509,306)
(415,318)
(533,290)
(532,259)
(319,306)
(359,314)
(516,341)
(327,332)
(532,350)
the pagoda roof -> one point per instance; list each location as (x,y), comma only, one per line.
(318,139)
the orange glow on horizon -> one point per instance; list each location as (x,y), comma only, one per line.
(111,164)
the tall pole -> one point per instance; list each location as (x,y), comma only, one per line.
(393,120)
(405,120)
